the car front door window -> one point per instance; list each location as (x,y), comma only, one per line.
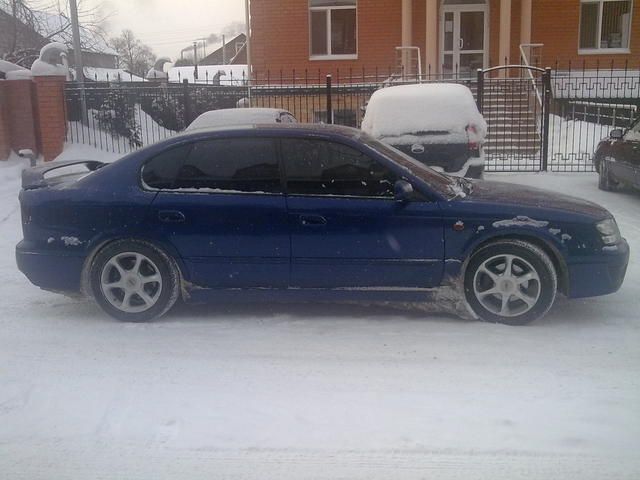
(318,167)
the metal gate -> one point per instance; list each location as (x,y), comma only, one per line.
(514,100)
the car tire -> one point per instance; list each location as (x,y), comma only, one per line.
(134,281)
(511,282)
(605,182)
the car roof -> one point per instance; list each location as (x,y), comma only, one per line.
(272,129)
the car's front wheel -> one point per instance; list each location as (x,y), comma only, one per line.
(511,282)
(134,281)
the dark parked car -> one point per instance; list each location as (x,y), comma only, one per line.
(438,124)
(617,159)
(307,212)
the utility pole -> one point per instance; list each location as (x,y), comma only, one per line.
(224,52)
(77,55)
(195,61)
(204,46)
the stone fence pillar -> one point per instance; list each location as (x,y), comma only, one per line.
(50,119)
(5,136)
(22,127)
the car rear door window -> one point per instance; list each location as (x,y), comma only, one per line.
(232,165)
(319,167)
(161,171)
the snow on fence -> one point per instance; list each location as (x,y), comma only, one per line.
(584,106)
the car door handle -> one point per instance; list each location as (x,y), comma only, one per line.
(312,220)
(171,216)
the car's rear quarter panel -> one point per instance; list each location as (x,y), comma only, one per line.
(62,226)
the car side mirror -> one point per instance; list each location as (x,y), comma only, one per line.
(616,134)
(403,191)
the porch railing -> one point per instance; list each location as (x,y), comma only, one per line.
(526,61)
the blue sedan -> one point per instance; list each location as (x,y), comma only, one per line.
(306,212)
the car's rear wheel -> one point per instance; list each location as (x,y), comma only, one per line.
(134,281)
(605,181)
(511,282)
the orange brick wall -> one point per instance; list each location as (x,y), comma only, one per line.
(280,36)
(556,24)
(21,113)
(51,118)
(5,138)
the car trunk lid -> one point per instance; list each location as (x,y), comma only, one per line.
(56,173)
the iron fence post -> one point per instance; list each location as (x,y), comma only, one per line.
(480,90)
(187,103)
(546,116)
(329,106)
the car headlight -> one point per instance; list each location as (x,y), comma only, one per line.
(609,231)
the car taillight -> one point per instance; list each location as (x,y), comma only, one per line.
(472,135)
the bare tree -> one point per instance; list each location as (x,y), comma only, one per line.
(133,55)
(34,23)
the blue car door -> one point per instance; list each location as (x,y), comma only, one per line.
(221,205)
(347,230)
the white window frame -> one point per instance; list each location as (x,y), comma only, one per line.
(598,50)
(331,56)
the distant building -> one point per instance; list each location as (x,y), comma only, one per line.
(234,52)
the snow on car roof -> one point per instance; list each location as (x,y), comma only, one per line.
(236,116)
(433,107)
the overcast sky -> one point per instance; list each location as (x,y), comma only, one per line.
(170,25)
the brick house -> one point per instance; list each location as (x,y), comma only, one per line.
(453,36)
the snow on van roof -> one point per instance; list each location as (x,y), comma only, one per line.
(433,107)
(236,116)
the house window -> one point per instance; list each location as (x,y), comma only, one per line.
(605,25)
(332,25)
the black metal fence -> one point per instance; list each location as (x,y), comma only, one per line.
(580,107)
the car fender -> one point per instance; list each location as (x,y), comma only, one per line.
(557,250)
(102,240)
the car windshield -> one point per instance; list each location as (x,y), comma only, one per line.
(448,186)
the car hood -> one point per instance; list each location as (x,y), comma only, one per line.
(524,196)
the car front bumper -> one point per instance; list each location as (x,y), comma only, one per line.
(599,276)
(56,271)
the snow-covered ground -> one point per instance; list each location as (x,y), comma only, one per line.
(313,391)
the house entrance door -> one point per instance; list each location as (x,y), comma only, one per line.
(464,38)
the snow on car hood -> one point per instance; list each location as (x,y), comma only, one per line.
(520,195)
(413,109)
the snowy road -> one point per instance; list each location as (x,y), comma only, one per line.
(274,392)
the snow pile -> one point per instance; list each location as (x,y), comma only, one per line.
(92,134)
(19,75)
(6,67)
(440,109)
(574,140)
(235,116)
(49,62)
